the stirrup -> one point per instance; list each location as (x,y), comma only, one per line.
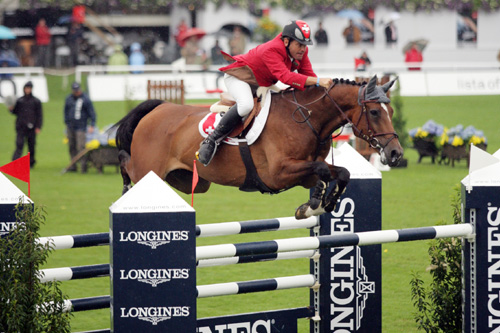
(208,143)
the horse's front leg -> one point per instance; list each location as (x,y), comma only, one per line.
(342,176)
(315,205)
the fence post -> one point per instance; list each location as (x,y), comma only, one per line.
(350,295)
(481,257)
(9,198)
(152,260)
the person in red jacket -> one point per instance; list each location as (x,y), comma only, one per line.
(413,55)
(284,58)
(43,36)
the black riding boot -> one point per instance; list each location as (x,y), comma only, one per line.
(208,146)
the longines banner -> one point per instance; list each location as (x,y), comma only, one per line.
(9,198)
(353,274)
(153,261)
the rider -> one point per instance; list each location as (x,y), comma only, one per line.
(275,60)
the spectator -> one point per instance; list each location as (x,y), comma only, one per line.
(8,58)
(118,58)
(363,62)
(136,57)
(391,34)
(43,37)
(179,30)
(413,55)
(321,35)
(78,113)
(28,110)
(216,55)
(237,43)
(351,33)
(74,39)
(192,53)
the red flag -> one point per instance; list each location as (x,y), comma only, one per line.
(19,169)
(195,182)
(358,62)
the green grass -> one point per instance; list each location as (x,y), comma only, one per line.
(416,196)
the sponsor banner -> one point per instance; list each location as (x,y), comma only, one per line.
(447,83)
(280,321)
(153,271)
(481,266)
(123,87)
(352,274)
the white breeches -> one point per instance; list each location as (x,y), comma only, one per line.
(241,92)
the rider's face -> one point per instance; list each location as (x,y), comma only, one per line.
(297,50)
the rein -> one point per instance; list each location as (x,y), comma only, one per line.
(371,137)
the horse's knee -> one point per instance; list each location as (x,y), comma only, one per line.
(323,172)
(343,175)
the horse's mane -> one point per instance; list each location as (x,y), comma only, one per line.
(347,81)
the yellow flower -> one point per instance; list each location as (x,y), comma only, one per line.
(457,141)
(92,144)
(112,142)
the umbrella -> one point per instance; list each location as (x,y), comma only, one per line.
(6,33)
(230,28)
(191,32)
(389,17)
(351,14)
(421,44)
(8,62)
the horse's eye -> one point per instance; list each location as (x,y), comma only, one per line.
(375,112)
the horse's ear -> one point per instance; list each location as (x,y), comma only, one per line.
(388,85)
(371,84)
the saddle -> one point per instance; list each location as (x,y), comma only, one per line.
(226,101)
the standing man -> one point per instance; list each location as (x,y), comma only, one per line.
(78,112)
(321,36)
(391,35)
(28,110)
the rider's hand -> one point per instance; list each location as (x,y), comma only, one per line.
(325,82)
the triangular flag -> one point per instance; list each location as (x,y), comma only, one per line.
(195,182)
(19,169)
(480,159)
(358,62)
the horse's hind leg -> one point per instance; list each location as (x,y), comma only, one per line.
(124,158)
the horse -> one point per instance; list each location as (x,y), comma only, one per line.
(291,150)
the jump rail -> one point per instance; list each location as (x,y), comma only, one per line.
(203,230)
(339,240)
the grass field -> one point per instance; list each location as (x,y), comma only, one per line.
(415,196)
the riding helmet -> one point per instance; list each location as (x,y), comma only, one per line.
(298,30)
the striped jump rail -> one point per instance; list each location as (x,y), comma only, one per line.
(102,270)
(204,291)
(338,240)
(202,230)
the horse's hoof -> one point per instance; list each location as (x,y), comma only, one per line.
(301,212)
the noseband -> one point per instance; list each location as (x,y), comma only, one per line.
(370,136)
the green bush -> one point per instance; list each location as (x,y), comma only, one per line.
(26,304)
(439,307)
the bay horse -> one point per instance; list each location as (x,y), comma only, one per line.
(291,150)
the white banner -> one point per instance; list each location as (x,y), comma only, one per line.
(198,85)
(120,87)
(14,87)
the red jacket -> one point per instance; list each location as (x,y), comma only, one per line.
(270,62)
(42,35)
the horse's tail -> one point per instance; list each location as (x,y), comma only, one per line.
(126,126)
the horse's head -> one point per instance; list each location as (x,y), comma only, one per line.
(373,121)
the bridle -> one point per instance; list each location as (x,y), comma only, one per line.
(370,136)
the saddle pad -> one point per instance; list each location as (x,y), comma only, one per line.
(211,120)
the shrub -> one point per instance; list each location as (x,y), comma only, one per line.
(26,304)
